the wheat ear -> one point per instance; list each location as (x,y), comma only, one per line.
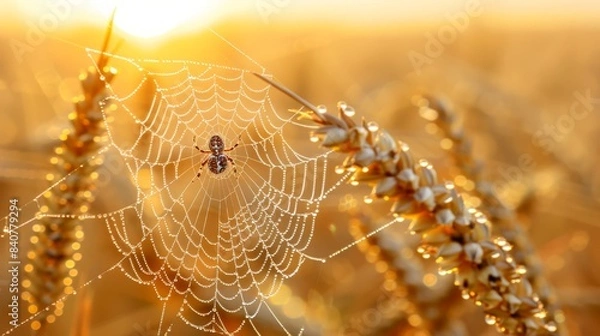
(457,236)
(504,218)
(58,232)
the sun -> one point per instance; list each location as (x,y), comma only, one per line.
(153,18)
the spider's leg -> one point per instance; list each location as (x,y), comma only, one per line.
(232,147)
(232,163)
(205,151)
(200,170)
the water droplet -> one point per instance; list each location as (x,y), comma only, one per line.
(490,319)
(354,182)
(368,199)
(339,170)
(321,109)
(314,138)
(551,326)
(465,294)
(342,104)
(372,126)
(349,111)
(521,269)
(495,255)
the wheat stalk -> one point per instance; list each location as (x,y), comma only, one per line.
(58,233)
(504,218)
(457,236)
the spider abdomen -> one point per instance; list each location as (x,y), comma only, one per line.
(217,163)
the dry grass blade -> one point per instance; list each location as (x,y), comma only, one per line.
(458,237)
(505,220)
(58,232)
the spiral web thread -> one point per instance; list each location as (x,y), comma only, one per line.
(219,244)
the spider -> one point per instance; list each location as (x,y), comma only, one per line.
(217,160)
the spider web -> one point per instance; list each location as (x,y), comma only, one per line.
(216,244)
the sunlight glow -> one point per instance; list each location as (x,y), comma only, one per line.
(147,19)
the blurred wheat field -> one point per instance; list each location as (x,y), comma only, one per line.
(513,84)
